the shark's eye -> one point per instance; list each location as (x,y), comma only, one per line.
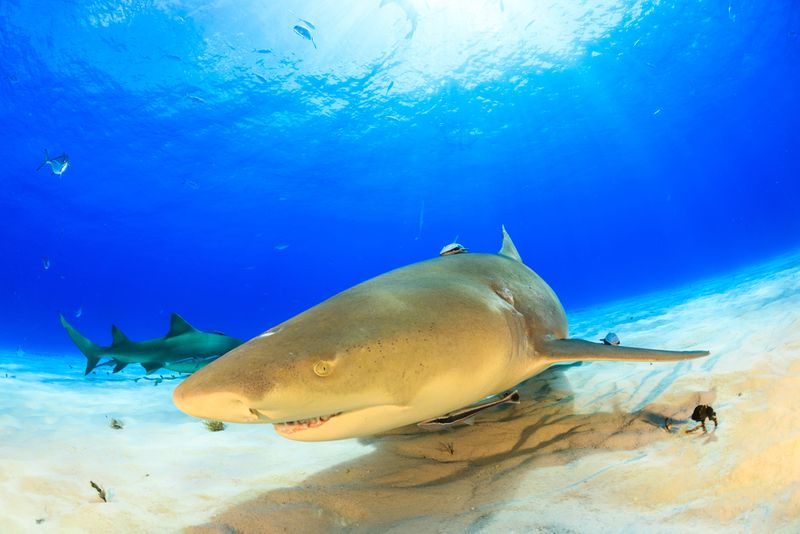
(323,368)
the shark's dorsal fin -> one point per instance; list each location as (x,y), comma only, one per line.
(117,337)
(508,249)
(178,326)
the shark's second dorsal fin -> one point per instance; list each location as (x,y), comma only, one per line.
(117,337)
(508,249)
(178,326)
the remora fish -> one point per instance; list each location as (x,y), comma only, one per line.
(465,415)
(407,346)
(182,348)
(57,164)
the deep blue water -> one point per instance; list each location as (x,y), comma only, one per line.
(225,168)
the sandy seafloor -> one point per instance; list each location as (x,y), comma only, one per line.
(584,452)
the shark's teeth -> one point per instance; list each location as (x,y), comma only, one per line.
(290,427)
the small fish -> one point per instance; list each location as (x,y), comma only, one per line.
(304,32)
(78,312)
(307,23)
(281,247)
(452,249)
(391,84)
(57,164)
(610,339)
(412,15)
(45,262)
(304,21)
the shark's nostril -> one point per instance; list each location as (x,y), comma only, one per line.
(217,405)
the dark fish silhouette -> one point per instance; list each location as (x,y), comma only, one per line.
(305,33)
(307,23)
(411,13)
(57,164)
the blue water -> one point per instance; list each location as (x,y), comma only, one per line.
(225,168)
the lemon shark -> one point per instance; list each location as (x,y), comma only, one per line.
(184,348)
(404,347)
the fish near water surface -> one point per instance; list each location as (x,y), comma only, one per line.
(407,346)
(305,33)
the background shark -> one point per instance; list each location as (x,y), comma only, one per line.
(183,349)
(57,164)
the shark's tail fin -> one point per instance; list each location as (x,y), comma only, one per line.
(46,159)
(92,351)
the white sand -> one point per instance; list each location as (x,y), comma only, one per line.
(166,469)
(584,452)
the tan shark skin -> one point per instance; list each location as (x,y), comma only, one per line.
(409,345)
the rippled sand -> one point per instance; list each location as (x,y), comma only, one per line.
(585,451)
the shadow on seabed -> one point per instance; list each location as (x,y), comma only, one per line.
(451,480)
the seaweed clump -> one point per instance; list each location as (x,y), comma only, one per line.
(116,424)
(214,426)
(100,491)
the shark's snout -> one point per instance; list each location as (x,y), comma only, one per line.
(221,406)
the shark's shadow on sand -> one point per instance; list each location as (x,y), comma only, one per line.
(453,480)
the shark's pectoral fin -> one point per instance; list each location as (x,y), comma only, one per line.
(572,350)
(178,326)
(119,366)
(91,363)
(149,367)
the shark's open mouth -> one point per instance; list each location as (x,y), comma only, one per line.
(290,427)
